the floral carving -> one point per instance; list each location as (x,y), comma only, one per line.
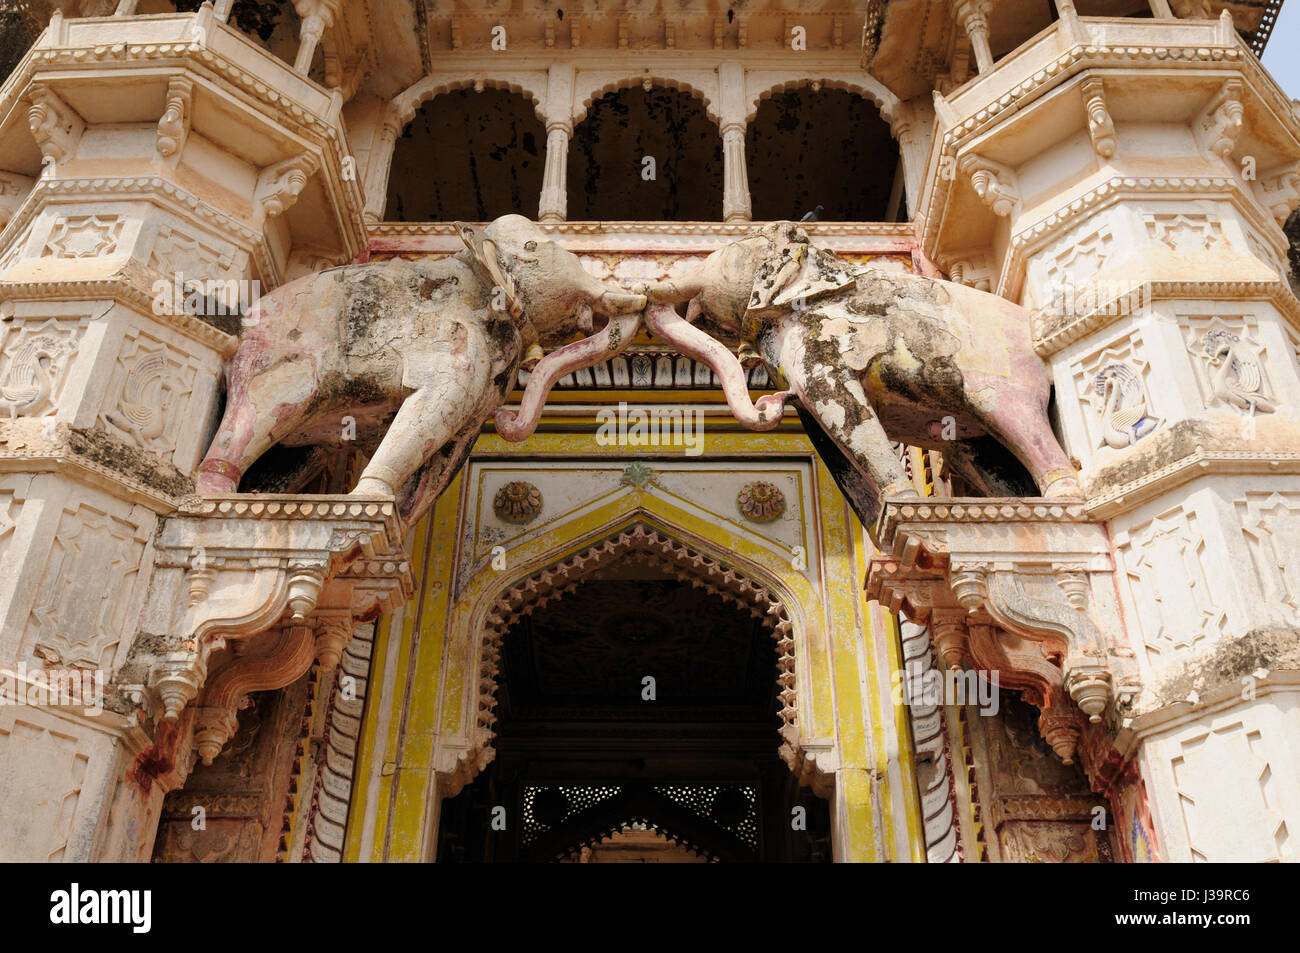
(517,502)
(760,502)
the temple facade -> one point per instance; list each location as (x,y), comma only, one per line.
(782,430)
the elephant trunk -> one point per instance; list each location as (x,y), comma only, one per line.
(676,291)
(613,338)
(667,324)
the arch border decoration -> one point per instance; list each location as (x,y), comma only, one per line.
(685,562)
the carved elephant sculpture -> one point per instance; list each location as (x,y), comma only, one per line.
(408,358)
(868,357)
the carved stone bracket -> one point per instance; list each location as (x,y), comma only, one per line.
(1279,191)
(1019,587)
(993,182)
(1100,126)
(230,568)
(278,185)
(174,126)
(1219,123)
(55,127)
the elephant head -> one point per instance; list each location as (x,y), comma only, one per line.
(544,285)
(739,288)
(541,281)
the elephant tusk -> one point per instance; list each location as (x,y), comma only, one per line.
(666,323)
(613,338)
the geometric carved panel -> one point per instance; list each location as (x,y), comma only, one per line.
(84,236)
(1165,562)
(1229,821)
(175,253)
(68,626)
(46,791)
(1272,530)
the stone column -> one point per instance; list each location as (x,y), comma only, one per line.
(379,163)
(973,15)
(558,115)
(121,291)
(735,189)
(554,202)
(735,177)
(317,16)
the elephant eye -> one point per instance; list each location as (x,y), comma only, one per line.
(530,246)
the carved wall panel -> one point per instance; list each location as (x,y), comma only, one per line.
(1230,362)
(174,251)
(1113,384)
(65,627)
(1184,231)
(1172,586)
(35,356)
(1259,831)
(1065,272)
(150,398)
(84,236)
(1271,525)
(48,785)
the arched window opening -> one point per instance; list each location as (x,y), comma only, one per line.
(646,155)
(468,156)
(827,148)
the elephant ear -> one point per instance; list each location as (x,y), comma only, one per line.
(489,259)
(797,272)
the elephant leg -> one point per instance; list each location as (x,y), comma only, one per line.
(847,418)
(241,439)
(426,485)
(448,396)
(1022,425)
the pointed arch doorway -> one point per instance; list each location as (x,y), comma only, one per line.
(642,690)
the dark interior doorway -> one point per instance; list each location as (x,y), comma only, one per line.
(646,155)
(831,148)
(637,721)
(468,156)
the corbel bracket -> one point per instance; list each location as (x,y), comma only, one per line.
(279,185)
(174,126)
(1219,124)
(993,182)
(1101,128)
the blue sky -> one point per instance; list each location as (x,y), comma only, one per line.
(1282,55)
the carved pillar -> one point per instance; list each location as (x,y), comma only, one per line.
(735,195)
(317,16)
(735,177)
(380,163)
(973,15)
(553,206)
